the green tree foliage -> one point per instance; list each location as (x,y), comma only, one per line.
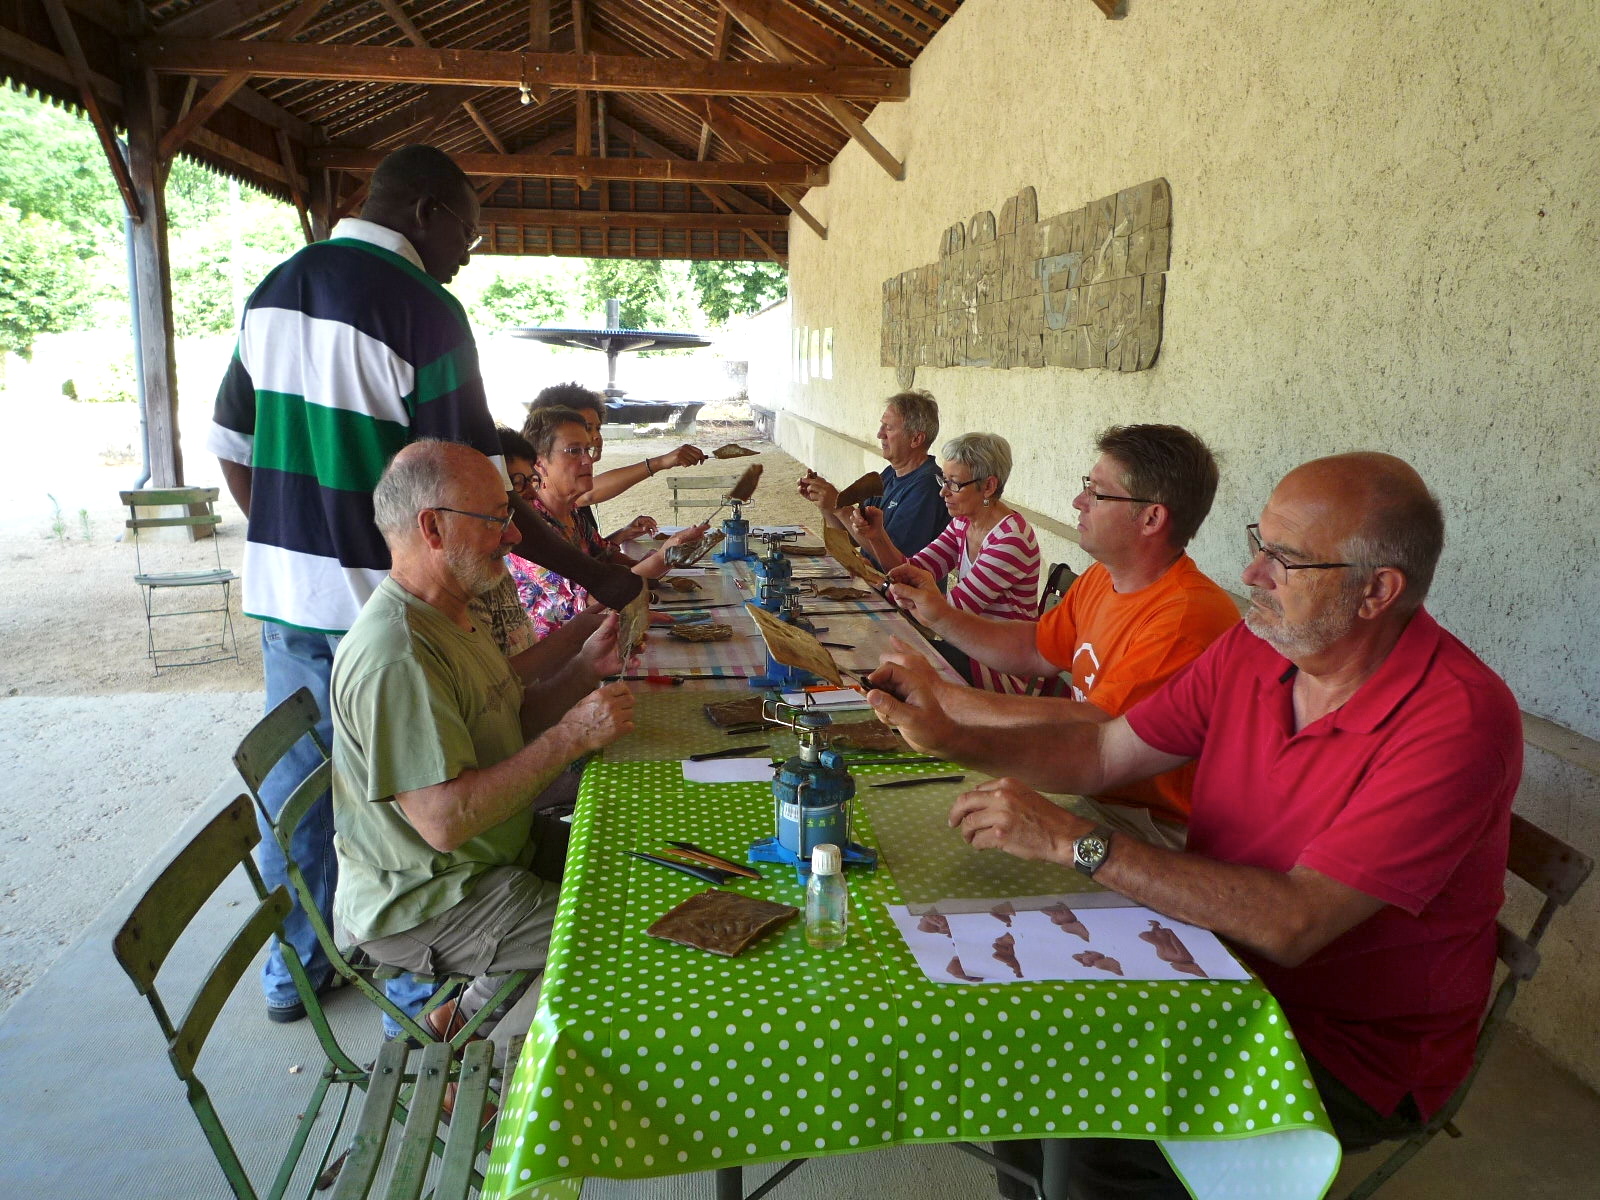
(731,289)
(508,302)
(653,294)
(42,290)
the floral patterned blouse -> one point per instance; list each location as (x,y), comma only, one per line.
(552,600)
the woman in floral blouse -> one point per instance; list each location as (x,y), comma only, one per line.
(561,472)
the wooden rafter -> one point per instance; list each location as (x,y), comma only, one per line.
(775,46)
(397,14)
(535,166)
(499,68)
(589,218)
(67,35)
(539,40)
(222,91)
(296,193)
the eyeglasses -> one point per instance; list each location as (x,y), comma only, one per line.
(951,485)
(1088,486)
(589,452)
(473,234)
(1253,532)
(500,523)
(520,481)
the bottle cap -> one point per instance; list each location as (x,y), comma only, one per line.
(825,859)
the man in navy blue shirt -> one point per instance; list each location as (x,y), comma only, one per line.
(913,510)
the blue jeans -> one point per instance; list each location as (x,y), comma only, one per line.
(292,659)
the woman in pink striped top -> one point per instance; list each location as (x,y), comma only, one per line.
(987,544)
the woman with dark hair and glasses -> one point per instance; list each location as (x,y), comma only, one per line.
(988,546)
(558,476)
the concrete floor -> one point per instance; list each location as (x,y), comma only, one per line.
(95,1111)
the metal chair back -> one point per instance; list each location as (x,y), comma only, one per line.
(197,513)
(1557,871)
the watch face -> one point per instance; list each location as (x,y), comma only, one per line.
(1091,848)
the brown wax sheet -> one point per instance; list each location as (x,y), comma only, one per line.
(701,633)
(868,486)
(733,450)
(1102,962)
(843,593)
(794,647)
(678,583)
(847,556)
(635,620)
(745,486)
(1170,950)
(722,922)
(867,735)
(687,554)
(803,551)
(735,712)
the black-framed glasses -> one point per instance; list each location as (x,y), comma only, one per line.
(1088,486)
(500,523)
(519,480)
(952,485)
(1253,532)
(473,234)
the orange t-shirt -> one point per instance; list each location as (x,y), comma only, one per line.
(1121,647)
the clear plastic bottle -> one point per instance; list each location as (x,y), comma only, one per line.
(827,908)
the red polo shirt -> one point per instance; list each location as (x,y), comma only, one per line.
(1403,793)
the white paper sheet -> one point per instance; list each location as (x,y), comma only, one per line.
(1057,941)
(728,770)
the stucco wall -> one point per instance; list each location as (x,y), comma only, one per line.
(1385,235)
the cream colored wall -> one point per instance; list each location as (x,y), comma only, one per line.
(1385,234)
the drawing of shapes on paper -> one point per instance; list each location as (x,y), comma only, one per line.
(1150,946)
(1064,919)
(929,940)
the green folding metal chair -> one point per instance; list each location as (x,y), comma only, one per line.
(1557,871)
(271,738)
(195,511)
(389,1092)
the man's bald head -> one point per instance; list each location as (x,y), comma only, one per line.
(429,474)
(1383,511)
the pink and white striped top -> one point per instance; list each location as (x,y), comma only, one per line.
(1002,582)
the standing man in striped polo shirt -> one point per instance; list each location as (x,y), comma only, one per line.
(348,351)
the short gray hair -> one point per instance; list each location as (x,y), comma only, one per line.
(986,455)
(1403,529)
(920,412)
(416,478)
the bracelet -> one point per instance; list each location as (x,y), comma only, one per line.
(650,466)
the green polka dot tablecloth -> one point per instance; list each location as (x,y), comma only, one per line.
(650,1058)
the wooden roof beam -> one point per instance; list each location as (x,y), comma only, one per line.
(502,68)
(535,166)
(67,36)
(414,35)
(847,22)
(222,91)
(590,218)
(724,197)
(775,46)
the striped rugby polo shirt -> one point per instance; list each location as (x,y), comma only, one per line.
(348,351)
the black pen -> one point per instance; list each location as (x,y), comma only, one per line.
(705,874)
(745,727)
(836,645)
(730,752)
(898,783)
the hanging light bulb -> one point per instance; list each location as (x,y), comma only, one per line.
(523,88)
(527,96)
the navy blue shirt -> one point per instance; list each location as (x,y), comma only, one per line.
(913,510)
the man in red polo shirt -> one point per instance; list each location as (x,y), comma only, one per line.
(1356,766)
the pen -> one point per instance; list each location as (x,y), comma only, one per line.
(730,752)
(836,645)
(705,874)
(745,727)
(887,762)
(899,783)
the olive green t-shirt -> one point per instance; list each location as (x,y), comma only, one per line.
(416,701)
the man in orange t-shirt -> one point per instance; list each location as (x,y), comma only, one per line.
(1128,623)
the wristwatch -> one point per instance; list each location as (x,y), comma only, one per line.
(1089,852)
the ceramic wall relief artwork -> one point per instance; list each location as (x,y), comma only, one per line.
(1079,289)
